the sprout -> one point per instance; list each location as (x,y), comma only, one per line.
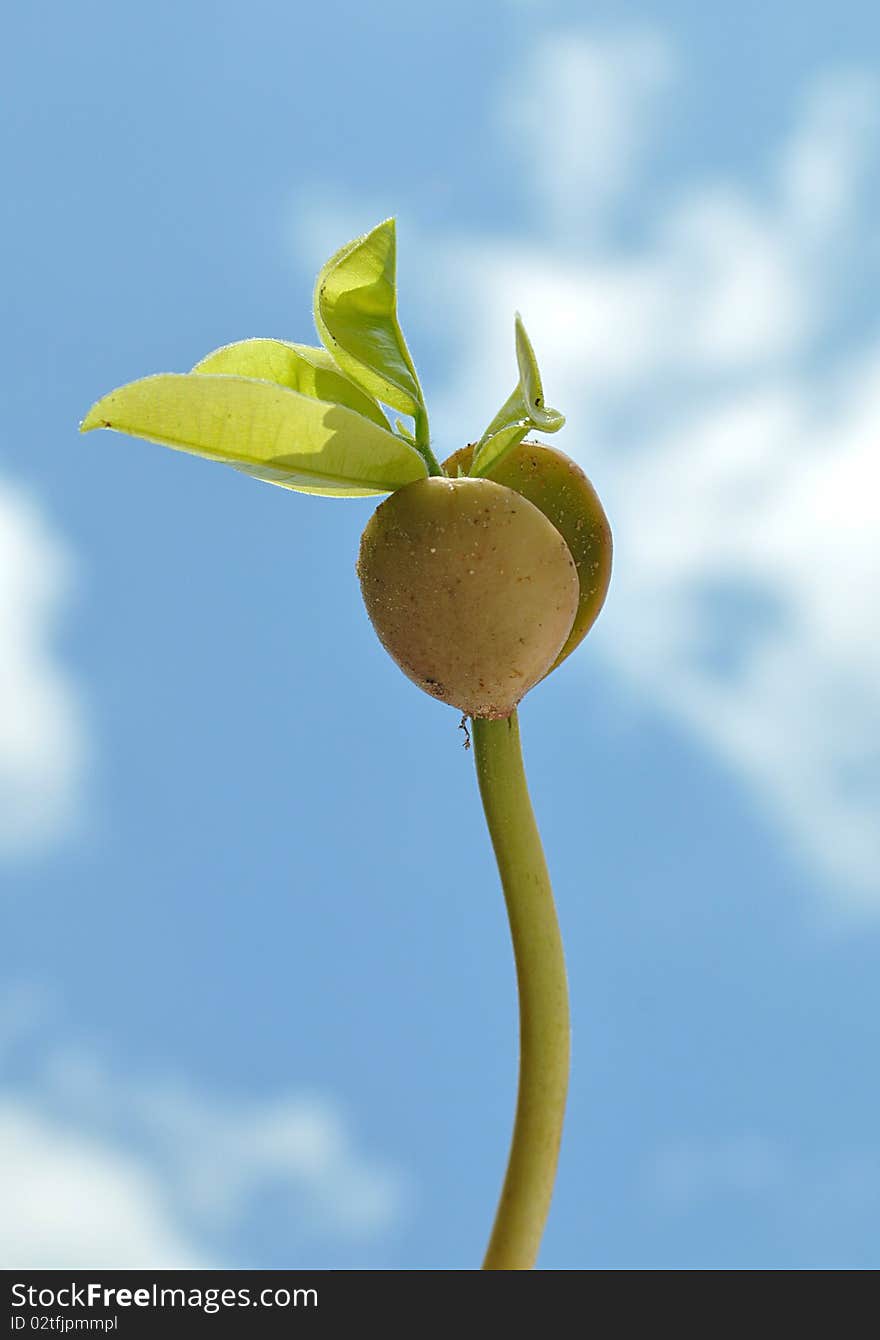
(479,576)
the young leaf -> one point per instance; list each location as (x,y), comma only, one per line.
(265,430)
(302,367)
(490,451)
(405,433)
(356,317)
(523,410)
(513,411)
(549,420)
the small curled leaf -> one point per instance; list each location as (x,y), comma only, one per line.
(302,367)
(491,450)
(405,433)
(356,317)
(267,431)
(548,420)
(523,411)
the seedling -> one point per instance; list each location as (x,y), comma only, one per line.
(479,576)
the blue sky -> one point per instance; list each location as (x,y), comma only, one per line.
(257,1003)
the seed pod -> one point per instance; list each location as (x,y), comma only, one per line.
(555,484)
(470,589)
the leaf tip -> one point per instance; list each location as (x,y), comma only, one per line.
(94,419)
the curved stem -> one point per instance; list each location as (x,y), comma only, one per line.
(543,997)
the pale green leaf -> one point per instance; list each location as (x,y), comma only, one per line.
(405,433)
(490,451)
(512,411)
(356,317)
(302,367)
(544,418)
(523,411)
(265,430)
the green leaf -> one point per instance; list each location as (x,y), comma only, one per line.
(265,430)
(511,412)
(490,451)
(511,424)
(302,367)
(405,433)
(549,420)
(356,317)
(523,410)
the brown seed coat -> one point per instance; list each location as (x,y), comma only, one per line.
(556,485)
(470,588)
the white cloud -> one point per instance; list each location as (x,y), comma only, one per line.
(71,1202)
(825,163)
(579,114)
(42,739)
(737,458)
(100,1170)
(219,1155)
(737,298)
(777,539)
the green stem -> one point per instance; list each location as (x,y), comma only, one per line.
(423,442)
(543,997)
